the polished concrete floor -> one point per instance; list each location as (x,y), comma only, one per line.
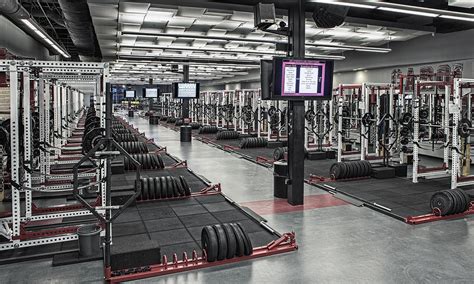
(338,244)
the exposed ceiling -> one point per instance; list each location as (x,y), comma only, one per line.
(143,40)
(48,15)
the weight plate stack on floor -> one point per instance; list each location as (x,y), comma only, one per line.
(253,142)
(279,153)
(163,187)
(227,135)
(134,147)
(450,201)
(195,125)
(147,161)
(351,169)
(208,129)
(225,241)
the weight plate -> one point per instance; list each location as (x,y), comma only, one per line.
(153,161)
(209,243)
(240,244)
(175,187)
(440,201)
(458,201)
(144,188)
(162,164)
(248,244)
(156,182)
(343,170)
(451,203)
(164,187)
(349,169)
(221,242)
(335,171)
(466,198)
(231,241)
(169,187)
(187,189)
(151,188)
(179,186)
(358,170)
(148,161)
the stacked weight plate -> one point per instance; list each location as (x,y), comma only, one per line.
(134,147)
(253,142)
(450,201)
(147,161)
(208,129)
(163,187)
(225,241)
(352,169)
(227,135)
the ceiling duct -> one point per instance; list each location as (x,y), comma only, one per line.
(79,25)
(13,9)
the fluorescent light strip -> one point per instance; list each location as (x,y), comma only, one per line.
(457,18)
(348,4)
(246,40)
(45,38)
(411,12)
(404,9)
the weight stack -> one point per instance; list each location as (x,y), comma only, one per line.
(280,172)
(130,113)
(185,133)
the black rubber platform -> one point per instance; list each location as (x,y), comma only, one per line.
(400,196)
(176,225)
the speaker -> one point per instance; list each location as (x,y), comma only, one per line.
(264,16)
(329,16)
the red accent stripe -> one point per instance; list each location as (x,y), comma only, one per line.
(266,207)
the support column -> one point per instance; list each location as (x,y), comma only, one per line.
(185,105)
(296,18)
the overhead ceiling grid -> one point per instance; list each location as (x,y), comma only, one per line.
(143,40)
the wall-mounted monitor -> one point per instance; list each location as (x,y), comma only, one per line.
(186,90)
(150,92)
(299,79)
(130,94)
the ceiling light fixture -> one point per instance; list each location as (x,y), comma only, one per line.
(247,40)
(348,4)
(44,36)
(457,18)
(407,11)
(403,9)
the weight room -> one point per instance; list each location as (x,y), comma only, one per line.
(304,141)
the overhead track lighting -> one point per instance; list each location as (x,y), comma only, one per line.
(262,40)
(406,11)
(34,27)
(402,9)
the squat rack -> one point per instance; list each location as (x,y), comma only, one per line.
(47,70)
(457,177)
(444,168)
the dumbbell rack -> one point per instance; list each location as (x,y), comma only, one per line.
(44,72)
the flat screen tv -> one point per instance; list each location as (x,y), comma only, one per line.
(186,90)
(301,79)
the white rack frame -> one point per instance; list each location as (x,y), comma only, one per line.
(48,69)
